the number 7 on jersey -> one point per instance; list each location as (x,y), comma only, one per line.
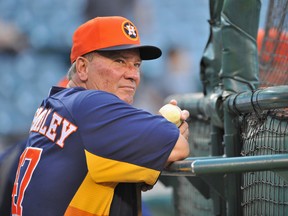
(27,164)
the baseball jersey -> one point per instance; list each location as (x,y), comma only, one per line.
(85,152)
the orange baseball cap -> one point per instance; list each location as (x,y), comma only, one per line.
(108,34)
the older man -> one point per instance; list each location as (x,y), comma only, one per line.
(88,146)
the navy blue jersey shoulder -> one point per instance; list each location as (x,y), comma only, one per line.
(122,131)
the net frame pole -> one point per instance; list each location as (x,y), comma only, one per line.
(197,166)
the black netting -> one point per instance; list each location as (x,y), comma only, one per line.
(265,192)
(188,200)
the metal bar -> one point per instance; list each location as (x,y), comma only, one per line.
(262,99)
(215,165)
(183,168)
(232,149)
(193,102)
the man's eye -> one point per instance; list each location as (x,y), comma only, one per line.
(137,65)
(120,61)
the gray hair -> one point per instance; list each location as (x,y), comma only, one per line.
(72,70)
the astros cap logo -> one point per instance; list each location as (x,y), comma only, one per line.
(130,30)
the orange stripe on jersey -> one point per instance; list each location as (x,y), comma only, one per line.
(71,211)
(108,170)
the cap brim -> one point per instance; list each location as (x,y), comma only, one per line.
(147,52)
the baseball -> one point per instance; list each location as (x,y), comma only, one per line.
(172,113)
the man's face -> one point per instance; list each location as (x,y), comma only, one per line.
(117,72)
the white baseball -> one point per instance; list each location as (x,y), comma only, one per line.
(172,113)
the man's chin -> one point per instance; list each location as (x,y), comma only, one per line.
(127,99)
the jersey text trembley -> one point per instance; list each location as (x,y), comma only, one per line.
(40,125)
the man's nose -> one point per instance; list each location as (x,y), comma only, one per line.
(133,72)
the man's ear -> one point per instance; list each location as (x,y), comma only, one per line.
(82,68)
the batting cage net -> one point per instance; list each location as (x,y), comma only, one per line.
(264,193)
(273,45)
(188,200)
(254,124)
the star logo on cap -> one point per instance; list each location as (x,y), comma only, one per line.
(130,30)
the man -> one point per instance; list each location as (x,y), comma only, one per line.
(88,147)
